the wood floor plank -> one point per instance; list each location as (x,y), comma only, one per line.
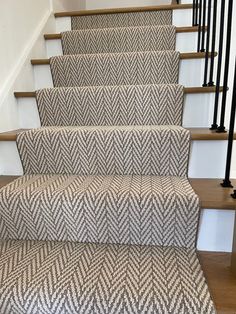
(221,282)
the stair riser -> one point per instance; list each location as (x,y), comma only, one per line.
(197,111)
(199,166)
(101,209)
(185,42)
(180,18)
(190,74)
(108,150)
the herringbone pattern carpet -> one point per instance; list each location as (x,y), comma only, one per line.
(111,105)
(114,40)
(134,68)
(106,150)
(144,210)
(122,20)
(66,278)
(105,183)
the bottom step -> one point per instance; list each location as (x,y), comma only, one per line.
(59,277)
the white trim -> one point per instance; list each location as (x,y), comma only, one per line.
(9,81)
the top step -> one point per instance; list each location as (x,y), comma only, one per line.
(125,10)
(149,18)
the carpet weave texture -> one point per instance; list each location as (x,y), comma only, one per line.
(111,105)
(104,219)
(115,40)
(142,210)
(134,68)
(71,278)
(106,150)
(122,20)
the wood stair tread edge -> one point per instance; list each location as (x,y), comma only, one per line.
(197,134)
(184,29)
(187,90)
(211,194)
(123,10)
(183,56)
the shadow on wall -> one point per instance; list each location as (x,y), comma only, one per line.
(106,4)
(69,5)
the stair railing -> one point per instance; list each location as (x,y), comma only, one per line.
(205,16)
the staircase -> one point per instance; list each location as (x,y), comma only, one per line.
(104,219)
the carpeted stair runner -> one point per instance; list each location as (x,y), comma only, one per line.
(111,105)
(106,150)
(114,40)
(122,20)
(116,209)
(105,182)
(134,68)
(64,277)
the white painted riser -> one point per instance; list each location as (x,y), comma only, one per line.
(180,18)
(185,42)
(197,111)
(204,158)
(190,74)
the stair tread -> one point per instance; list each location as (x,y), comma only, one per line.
(213,195)
(210,192)
(183,56)
(197,134)
(185,29)
(187,90)
(118,275)
(10,135)
(86,194)
(124,10)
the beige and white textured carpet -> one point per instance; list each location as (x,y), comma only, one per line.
(104,220)
(124,39)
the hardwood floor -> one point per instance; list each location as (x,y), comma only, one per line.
(222,284)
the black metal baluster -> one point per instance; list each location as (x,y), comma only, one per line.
(207,43)
(203,26)
(214,126)
(194,14)
(199,25)
(221,128)
(226,181)
(213,44)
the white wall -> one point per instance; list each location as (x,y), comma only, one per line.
(106,4)
(20,25)
(68,5)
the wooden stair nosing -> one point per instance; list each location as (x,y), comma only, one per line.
(185,29)
(211,194)
(197,134)
(183,56)
(124,10)
(187,90)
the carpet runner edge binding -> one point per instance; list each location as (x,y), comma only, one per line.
(122,187)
